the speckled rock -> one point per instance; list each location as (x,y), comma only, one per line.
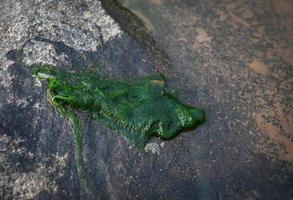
(233,58)
(36,150)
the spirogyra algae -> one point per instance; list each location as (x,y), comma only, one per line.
(137,110)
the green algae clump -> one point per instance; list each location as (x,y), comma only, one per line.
(137,110)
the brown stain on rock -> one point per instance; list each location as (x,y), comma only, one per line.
(259,67)
(269,55)
(202,36)
(239,21)
(260,32)
(222,15)
(284,49)
(246,12)
(283,7)
(274,133)
(237,16)
(286,54)
(156,2)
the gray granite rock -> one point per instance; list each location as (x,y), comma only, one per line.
(232,58)
(36,156)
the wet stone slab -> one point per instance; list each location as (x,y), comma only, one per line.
(236,58)
(37,157)
(232,58)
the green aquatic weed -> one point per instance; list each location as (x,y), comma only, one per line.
(137,110)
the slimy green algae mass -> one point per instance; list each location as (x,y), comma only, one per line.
(137,110)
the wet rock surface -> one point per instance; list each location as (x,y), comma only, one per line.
(233,59)
(236,58)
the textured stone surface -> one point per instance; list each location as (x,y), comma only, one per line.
(232,58)
(36,158)
(236,58)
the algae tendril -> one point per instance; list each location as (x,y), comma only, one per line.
(137,110)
